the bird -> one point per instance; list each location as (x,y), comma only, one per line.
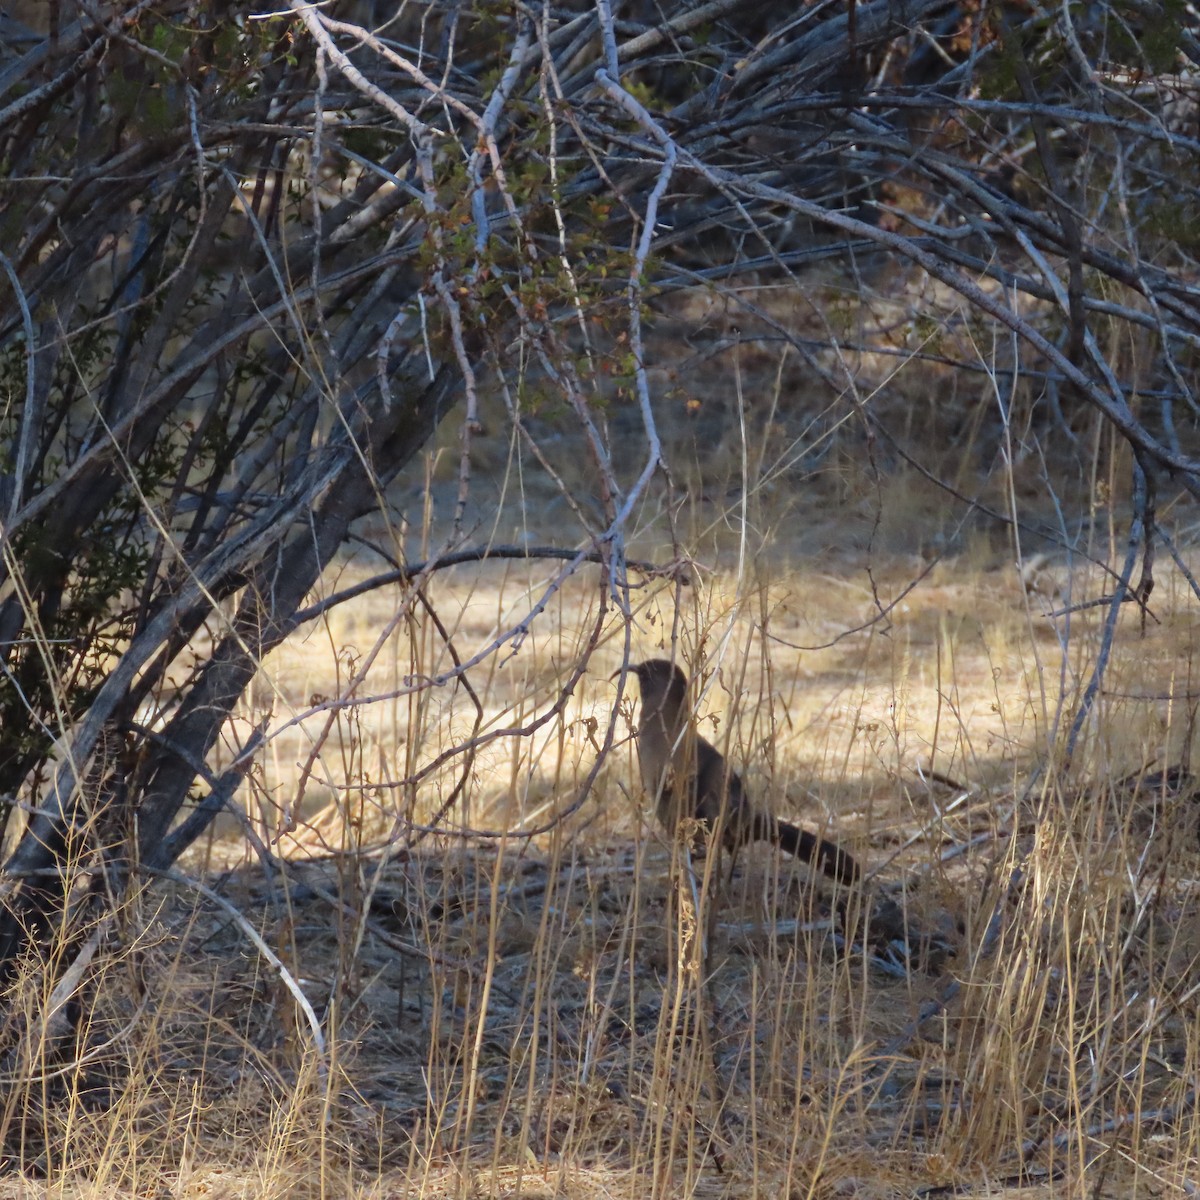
(689,777)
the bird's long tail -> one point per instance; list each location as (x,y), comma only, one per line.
(829,856)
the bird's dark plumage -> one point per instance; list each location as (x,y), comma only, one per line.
(688,776)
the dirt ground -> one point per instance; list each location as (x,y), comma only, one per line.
(543,998)
(547,1015)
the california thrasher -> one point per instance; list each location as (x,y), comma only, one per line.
(689,777)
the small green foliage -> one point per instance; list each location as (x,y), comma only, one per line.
(1176,221)
(170,40)
(1142,43)
(643,93)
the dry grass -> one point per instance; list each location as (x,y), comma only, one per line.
(525,1014)
(514,1016)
